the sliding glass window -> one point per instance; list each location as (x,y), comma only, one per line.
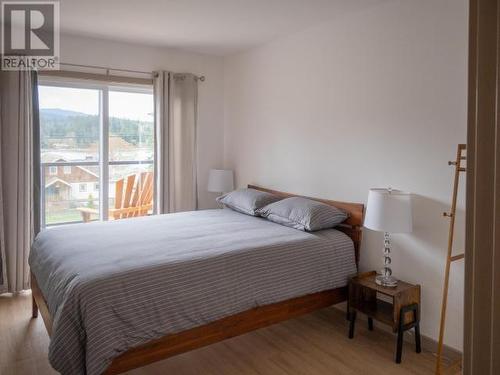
(97,151)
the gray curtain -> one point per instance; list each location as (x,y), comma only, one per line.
(176,102)
(19,176)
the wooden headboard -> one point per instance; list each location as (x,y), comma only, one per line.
(352,226)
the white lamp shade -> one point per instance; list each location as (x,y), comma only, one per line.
(220,181)
(389,211)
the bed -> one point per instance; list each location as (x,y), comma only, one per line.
(119,295)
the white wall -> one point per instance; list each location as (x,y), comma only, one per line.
(373,99)
(89,51)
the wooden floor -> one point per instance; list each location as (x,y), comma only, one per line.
(310,345)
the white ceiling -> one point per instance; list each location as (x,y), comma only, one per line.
(218,27)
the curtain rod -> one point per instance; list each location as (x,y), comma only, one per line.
(201,78)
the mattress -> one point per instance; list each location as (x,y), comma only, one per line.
(112,286)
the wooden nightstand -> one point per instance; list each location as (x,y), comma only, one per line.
(402,313)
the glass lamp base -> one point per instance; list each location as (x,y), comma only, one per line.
(387,281)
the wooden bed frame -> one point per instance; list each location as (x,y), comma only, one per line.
(231,326)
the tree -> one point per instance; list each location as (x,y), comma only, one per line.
(90,203)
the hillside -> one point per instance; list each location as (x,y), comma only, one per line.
(59,126)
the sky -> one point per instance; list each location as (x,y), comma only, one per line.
(133,106)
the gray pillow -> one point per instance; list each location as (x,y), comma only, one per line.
(304,214)
(247,201)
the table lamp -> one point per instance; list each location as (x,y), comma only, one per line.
(388,211)
(220,181)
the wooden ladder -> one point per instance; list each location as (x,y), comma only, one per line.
(455,367)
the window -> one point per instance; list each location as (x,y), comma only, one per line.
(99,134)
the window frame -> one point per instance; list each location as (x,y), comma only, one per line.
(103,162)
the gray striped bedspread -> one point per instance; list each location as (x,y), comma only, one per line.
(115,285)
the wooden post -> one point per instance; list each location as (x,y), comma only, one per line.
(449,257)
(34,306)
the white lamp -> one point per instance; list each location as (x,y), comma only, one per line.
(388,211)
(220,181)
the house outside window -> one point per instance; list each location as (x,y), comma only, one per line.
(101,134)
